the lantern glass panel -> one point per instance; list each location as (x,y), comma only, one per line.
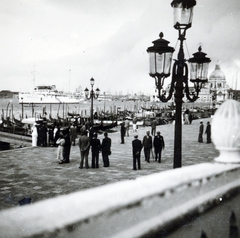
(159,63)
(205,70)
(199,71)
(183,16)
(152,64)
(167,63)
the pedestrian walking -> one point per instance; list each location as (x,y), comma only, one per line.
(159,145)
(147,145)
(95,148)
(84,145)
(208,132)
(154,126)
(60,150)
(122,132)
(200,134)
(106,149)
(136,150)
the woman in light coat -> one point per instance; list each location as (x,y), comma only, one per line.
(60,142)
(34,135)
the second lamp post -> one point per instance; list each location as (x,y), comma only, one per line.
(93,95)
(160,65)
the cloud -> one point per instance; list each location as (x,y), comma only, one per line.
(106,40)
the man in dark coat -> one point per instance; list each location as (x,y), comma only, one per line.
(44,134)
(147,145)
(106,149)
(84,144)
(67,146)
(122,132)
(208,132)
(200,134)
(136,150)
(96,147)
(159,145)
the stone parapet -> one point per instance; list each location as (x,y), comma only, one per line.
(153,205)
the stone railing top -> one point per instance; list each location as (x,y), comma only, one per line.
(81,209)
(226,131)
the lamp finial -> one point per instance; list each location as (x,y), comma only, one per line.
(161,35)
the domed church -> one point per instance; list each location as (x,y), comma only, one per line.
(218,85)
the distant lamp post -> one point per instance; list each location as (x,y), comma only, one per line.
(160,55)
(93,95)
(22,106)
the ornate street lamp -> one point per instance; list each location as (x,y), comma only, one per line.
(160,58)
(160,64)
(93,95)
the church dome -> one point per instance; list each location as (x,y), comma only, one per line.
(217,74)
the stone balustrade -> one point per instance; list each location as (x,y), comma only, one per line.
(195,201)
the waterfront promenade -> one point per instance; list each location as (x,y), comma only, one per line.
(35,173)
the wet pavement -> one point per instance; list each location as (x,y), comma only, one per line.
(34,172)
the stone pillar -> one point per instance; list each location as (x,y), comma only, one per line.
(226,131)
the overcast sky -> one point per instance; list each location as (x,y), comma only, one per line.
(66,42)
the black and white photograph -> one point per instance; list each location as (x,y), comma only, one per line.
(120,119)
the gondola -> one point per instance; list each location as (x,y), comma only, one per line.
(73,114)
(18,122)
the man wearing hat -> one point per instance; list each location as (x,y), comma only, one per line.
(96,147)
(159,145)
(84,144)
(136,150)
(147,145)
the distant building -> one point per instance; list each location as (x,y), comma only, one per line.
(8,94)
(218,85)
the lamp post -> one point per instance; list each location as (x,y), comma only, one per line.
(160,55)
(22,106)
(93,95)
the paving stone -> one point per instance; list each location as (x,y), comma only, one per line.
(34,172)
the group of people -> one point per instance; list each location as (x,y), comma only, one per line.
(147,144)
(88,140)
(64,138)
(85,142)
(47,135)
(207,132)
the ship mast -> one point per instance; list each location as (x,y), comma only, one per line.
(69,79)
(33,77)
(236,81)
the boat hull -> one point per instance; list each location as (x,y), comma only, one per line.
(46,99)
